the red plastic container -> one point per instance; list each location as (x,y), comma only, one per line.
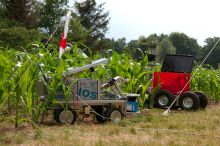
(171,81)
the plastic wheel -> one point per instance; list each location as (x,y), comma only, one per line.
(203,99)
(64,116)
(163,99)
(189,101)
(115,116)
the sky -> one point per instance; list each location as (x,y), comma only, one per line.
(198,19)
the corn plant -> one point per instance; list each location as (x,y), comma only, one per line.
(6,71)
(18,83)
(207,80)
(137,73)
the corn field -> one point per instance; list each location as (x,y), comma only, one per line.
(207,79)
(20,72)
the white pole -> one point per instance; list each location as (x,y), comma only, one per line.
(64,35)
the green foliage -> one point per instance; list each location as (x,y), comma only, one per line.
(20,21)
(18,82)
(207,80)
(77,33)
(20,70)
(131,46)
(165,47)
(105,44)
(184,44)
(21,80)
(23,11)
(6,23)
(17,37)
(51,13)
(94,19)
(120,45)
(143,41)
(213,59)
(6,70)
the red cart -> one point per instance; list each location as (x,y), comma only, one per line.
(174,80)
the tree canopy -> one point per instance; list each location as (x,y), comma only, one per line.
(51,13)
(214,58)
(24,21)
(94,19)
(184,44)
(25,12)
(165,47)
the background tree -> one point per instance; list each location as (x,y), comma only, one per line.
(26,12)
(133,44)
(120,45)
(77,33)
(2,9)
(105,44)
(34,18)
(143,45)
(153,38)
(17,18)
(17,37)
(94,19)
(51,13)
(143,41)
(184,44)
(162,36)
(214,58)
(165,47)
(131,47)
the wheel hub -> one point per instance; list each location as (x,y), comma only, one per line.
(188,102)
(66,117)
(163,100)
(115,116)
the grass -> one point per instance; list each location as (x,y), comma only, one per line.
(149,128)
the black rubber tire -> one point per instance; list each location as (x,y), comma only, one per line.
(57,113)
(99,113)
(167,95)
(191,96)
(202,98)
(99,118)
